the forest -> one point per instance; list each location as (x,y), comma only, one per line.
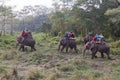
(79,16)
(48,26)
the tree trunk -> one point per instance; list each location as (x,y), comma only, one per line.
(11,26)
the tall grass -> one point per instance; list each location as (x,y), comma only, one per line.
(35,75)
(7,42)
(53,65)
(115,47)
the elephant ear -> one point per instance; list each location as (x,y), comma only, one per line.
(29,35)
(87,45)
(20,39)
(86,39)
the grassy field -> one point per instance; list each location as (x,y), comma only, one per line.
(48,64)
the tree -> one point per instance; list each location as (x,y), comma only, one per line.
(5,13)
(90,14)
(114,21)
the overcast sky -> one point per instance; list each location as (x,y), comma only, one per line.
(21,3)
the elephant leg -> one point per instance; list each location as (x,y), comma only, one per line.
(33,48)
(67,48)
(59,47)
(84,52)
(17,44)
(22,47)
(108,55)
(102,55)
(62,48)
(75,48)
(71,48)
(94,54)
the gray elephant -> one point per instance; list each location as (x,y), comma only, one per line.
(28,41)
(70,43)
(99,47)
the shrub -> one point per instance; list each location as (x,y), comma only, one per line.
(54,75)
(6,41)
(35,75)
(2,69)
(66,68)
(79,76)
(8,55)
(115,44)
(115,47)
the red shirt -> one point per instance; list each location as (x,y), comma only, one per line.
(94,38)
(71,35)
(24,33)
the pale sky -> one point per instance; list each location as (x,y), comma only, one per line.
(21,3)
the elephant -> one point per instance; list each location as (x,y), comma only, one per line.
(70,43)
(28,41)
(99,47)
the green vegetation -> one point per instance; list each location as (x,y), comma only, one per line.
(48,27)
(79,16)
(48,64)
(7,42)
(115,47)
(35,75)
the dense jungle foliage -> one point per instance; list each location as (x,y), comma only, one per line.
(48,26)
(79,16)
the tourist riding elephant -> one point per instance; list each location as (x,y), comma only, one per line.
(99,47)
(70,43)
(28,41)
(88,37)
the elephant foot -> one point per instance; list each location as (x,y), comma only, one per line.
(34,49)
(95,56)
(76,50)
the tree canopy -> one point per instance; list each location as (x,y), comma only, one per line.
(79,16)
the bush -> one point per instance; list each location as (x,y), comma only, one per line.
(115,44)
(2,69)
(35,75)
(7,41)
(67,68)
(8,55)
(54,75)
(79,76)
(115,47)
